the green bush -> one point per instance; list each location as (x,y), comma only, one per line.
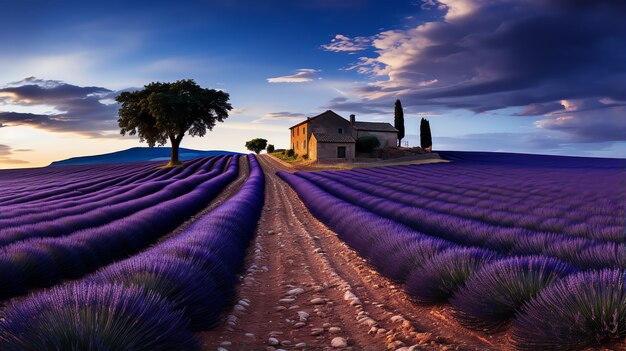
(367,143)
(290,153)
(270,148)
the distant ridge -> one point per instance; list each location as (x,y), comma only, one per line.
(139,154)
(532,160)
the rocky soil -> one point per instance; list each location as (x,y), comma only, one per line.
(304,289)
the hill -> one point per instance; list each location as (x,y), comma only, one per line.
(138,154)
(532,160)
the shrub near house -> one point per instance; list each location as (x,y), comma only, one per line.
(367,143)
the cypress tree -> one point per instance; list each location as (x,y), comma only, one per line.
(426,140)
(398,121)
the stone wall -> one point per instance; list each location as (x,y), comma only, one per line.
(330,124)
(299,139)
(313,148)
(387,139)
(327,152)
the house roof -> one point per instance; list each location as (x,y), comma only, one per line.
(333,138)
(375,127)
(314,117)
(368,126)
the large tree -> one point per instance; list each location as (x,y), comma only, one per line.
(398,121)
(256,145)
(167,111)
(426,140)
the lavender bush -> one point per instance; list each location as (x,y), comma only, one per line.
(582,310)
(95,317)
(494,294)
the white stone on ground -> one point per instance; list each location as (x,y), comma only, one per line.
(318,301)
(303,316)
(334,330)
(397,319)
(338,342)
(296,291)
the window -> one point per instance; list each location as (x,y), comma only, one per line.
(341,152)
(304,144)
(340,130)
(303,130)
(298,130)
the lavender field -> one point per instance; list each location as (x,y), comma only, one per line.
(532,246)
(94,234)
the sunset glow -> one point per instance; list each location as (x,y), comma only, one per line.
(472,65)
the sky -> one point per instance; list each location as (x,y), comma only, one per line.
(532,76)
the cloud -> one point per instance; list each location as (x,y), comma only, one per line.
(237,111)
(76,109)
(342,103)
(588,121)
(281,116)
(302,75)
(430,4)
(284,115)
(342,43)
(540,109)
(543,142)
(5,156)
(489,55)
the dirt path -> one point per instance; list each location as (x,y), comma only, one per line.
(304,289)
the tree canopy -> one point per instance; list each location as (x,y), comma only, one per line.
(167,111)
(398,121)
(256,145)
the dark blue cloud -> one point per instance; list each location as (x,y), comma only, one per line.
(79,109)
(345,105)
(489,55)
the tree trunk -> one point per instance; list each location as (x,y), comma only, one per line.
(399,142)
(175,146)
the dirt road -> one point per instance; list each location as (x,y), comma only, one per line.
(304,289)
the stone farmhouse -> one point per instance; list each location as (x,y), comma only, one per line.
(329,137)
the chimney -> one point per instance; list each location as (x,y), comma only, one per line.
(352,119)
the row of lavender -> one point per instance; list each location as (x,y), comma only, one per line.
(581,214)
(151,301)
(78,238)
(558,291)
(101,183)
(583,252)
